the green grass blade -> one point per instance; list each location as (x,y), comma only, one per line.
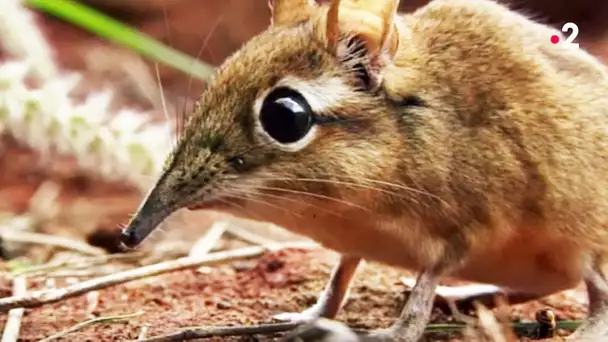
(111,29)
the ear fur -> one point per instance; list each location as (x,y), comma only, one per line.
(361,33)
(373,21)
(284,12)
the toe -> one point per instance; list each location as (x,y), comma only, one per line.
(296,317)
(322,330)
(305,316)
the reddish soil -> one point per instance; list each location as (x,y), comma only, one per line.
(241,293)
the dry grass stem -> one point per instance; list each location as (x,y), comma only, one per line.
(165,250)
(489,327)
(81,273)
(194,333)
(39,298)
(143,333)
(206,244)
(198,333)
(43,203)
(458,315)
(8,234)
(76,264)
(130,67)
(13,321)
(211,238)
(92,302)
(98,320)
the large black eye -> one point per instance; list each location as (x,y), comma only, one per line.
(286,116)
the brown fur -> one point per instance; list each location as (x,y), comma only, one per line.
(500,175)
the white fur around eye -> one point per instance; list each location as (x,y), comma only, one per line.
(322,95)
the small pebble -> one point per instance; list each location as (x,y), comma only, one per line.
(223,305)
(241,266)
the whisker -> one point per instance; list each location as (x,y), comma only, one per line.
(158,234)
(204,45)
(283,198)
(167,27)
(367,186)
(249,212)
(208,38)
(306,193)
(331,181)
(254,199)
(170,39)
(164,104)
(293,200)
(353,184)
(254,147)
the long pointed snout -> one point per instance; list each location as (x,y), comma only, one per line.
(149,216)
(142,225)
(175,188)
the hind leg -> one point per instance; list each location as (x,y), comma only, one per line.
(596,326)
(464,296)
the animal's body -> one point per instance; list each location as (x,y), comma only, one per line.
(456,140)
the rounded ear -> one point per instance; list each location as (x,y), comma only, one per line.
(290,11)
(372,21)
(362,34)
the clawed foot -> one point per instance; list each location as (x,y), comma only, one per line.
(386,335)
(322,330)
(325,330)
(305,316)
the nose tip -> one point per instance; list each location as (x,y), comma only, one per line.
(129,238)
(150,215)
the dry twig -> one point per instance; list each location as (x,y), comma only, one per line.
(194,333)
(50,240)
(76,263)
(92,303)
(225,331)
(13,322)
(489,327)
(43,204)
(205,244)
(98,320)
(39,298)
(81,273)
(143,332)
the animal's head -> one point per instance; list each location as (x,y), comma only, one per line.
(297,114)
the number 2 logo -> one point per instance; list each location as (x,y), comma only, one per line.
(571,28)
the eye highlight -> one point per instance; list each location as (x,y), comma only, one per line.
(286,116)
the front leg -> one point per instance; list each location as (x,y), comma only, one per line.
(331,299)
(409,327)
(416,314)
